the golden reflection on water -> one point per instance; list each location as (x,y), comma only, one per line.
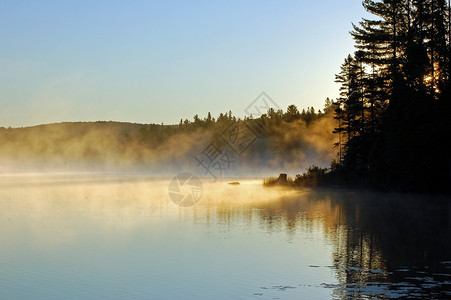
(50,209)
(119,204)
(373,235)
(370,234)
(355,251)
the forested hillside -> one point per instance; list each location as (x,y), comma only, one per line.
(282,141)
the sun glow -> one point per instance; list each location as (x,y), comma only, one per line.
(427,78)
(432,81)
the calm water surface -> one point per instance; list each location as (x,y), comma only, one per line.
(120,237)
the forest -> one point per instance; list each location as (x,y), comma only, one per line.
(393,122)
(283,141)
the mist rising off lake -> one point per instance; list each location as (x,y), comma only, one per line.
(120,237)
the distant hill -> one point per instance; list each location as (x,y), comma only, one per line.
(288,143)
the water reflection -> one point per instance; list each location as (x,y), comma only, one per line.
(392,245)
(384,245)
(243,241)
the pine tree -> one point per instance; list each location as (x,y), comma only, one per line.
(394,95)
(292,114)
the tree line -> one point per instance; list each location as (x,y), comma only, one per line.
(286,136)
(392,115)
(291,114)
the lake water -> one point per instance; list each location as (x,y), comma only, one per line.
(120,237)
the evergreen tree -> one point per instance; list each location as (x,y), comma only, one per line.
(397,86)
(292,114)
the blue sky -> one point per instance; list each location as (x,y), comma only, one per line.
(154,62)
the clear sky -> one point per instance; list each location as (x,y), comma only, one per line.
(160,61)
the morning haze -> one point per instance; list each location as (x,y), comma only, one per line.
(225,150)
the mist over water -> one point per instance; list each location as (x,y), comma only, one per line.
(161,150)
(116,236)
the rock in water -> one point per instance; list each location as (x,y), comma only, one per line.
(283,179)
